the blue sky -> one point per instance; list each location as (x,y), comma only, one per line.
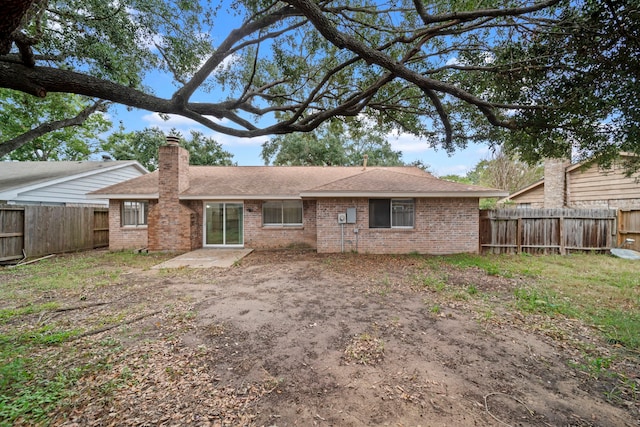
(246,152)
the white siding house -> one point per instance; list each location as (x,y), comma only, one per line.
(62,183)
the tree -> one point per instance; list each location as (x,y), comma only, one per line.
(517,72)
(504,172)
(332,144)
(143,146)
(77,139)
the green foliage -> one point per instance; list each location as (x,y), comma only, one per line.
(545,80)
(589,76)
(143,146)
(334,144)
(22,112)
(533,300)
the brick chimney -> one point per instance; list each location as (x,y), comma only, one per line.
(171,222)
(555,187)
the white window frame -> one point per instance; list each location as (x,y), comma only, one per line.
(281,203)
(141,213)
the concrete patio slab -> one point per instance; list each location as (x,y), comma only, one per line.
(206,258)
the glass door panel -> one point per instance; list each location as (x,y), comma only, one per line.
(233,224)
(223,223)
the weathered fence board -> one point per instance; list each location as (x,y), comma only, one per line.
(547,230)
(629,228)
(11,233)
(42,230)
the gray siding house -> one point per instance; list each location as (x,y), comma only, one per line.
(62,183)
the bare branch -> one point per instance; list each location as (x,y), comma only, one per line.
(482,13)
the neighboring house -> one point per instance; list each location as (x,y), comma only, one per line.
(62,183)
(575,186)
(332,209)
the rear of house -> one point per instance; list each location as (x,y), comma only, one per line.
(331,209)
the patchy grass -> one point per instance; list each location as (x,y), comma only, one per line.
(601,290)
(37,370)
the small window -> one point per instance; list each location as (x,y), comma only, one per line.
(391,213)
(282,212)
(134,213)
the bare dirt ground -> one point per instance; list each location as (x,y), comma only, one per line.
(296,338)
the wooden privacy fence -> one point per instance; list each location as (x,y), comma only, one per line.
(629,227)
(41,230)
(547,230)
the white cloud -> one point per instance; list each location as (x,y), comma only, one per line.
(234,141)
(458,169)
(453,61)
(184,125)
(175,121)
(408,143)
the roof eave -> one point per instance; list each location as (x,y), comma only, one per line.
(119,196)
(239,197)
(430,194)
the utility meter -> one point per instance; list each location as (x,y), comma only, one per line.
(342,218)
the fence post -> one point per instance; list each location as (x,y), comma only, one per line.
(519,235)
(619,228)
(563,251)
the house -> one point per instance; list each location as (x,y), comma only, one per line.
(332,209)
(62,183)
(579,185)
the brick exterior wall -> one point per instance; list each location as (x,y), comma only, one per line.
(172,224)
(441,226)
(257,236)
(124,237)
(554,183)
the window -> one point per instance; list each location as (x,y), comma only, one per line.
(391,213)
(282,212)
(134,213)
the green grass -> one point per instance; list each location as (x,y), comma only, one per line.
(600,290)
(33,380)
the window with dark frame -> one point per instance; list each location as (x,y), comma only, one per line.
(134,213)
(391,213)
(282,213)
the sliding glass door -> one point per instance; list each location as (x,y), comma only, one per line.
(223,224)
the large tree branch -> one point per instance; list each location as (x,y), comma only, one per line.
(481,13)
(13,11)
(13,144)
(182,96)
(374,56)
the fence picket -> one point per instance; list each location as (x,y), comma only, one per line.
(550,230)
(42,230)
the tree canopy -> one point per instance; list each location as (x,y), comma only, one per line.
(143,146)
(545,77)
(332,144)
(58,127)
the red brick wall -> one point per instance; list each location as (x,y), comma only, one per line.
(124,237)
(172,224)
(258,237)
(441,226)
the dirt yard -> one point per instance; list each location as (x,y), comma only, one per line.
(296,338)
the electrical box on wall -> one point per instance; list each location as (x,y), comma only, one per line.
(342,218)
(351,215)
